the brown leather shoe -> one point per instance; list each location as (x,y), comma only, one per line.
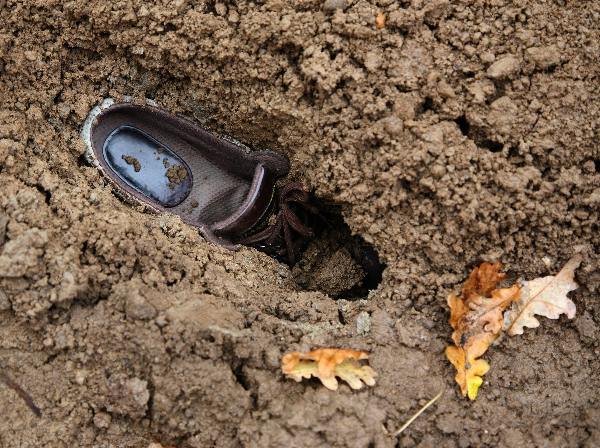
(169,164)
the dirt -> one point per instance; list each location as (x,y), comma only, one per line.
(456,133)
(176,175)
(130,160)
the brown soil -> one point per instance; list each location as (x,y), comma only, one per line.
(176,174)
(459,132)
(130,160)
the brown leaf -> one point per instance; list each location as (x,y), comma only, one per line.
(476,316)
(544,296)
(483,280)
(326,364)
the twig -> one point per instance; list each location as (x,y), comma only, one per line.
(19,390)
(419,412)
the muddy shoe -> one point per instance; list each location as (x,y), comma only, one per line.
(169,164)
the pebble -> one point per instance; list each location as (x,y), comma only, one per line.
(543,57)
(139,391)
(393,126)
(505,67)
(138,308)
(487,57)
(332,5)
(4,302)
(102,420)
(363,323)
(80,376)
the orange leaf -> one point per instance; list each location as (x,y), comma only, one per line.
(483,280)
(380,21)
(326,364)
(476,317)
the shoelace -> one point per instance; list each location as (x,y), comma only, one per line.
(287,222)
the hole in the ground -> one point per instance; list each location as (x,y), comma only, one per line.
(82,161)
(427,105)
(464,125)
(336,262)
(47,194)
(491,145)
(597,165)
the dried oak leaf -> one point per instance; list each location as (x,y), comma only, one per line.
(476,317)
(326,364)
(545,296)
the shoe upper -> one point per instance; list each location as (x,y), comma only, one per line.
(170,164)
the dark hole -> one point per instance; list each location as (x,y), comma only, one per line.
(427,105)
(241,377)
(597,165)
(341,317)
(491,145)
(335,262)
(513,152)
(432,26)
(170,27)
(463,124)
(82,161)
(46,193)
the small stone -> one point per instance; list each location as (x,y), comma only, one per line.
(5,149)
(445,90)
(220,9)
(544,57)
(102,420)
(332,5)
(372,61)
(363,323)
(30,55)
(139,391)
(161,321)
(488,57)
(589,167)
(504,67)
(438,171)
(80,376)
(138,308)
(63,110)
(4,302)
(393,126)
(586,326)
(233,17)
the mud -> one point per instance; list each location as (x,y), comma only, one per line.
(176,174)
(458,132)
(130,160)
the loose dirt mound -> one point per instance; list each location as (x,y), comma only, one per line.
(460,132)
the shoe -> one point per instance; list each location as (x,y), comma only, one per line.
(168,163)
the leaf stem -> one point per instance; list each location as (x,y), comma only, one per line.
(419,412)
